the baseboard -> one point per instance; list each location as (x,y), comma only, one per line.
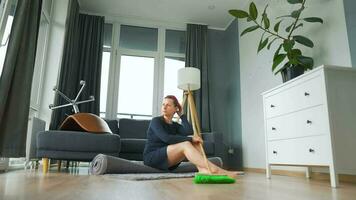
(314,175)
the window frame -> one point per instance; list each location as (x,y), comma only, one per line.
(159,61)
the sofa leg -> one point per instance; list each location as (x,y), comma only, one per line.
(59,162)
(45,165)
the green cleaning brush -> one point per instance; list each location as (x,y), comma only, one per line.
(211,178)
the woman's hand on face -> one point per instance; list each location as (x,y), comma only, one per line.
(197,139)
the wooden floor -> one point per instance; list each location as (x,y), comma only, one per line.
(77,184)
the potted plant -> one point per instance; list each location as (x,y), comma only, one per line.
(296,63)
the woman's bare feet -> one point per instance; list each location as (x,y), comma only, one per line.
(204,171)
(219,171)
(231,174)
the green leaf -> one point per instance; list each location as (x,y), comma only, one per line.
(296,52)
(299,25)
(289,28)
(266,21)
(303,40)
(277,60)
(238,13)
(277,51)
(292,56)
(288,45)
(249,29)
(307,62)
(262,44)
(253,11)
(269,45)
(313,19)
(295,1)
(264,13)
(295,14)
(276,27)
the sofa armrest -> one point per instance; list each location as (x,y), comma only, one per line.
(208,136)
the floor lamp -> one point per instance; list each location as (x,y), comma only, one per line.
(189,80)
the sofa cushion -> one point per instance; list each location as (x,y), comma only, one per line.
(130,145)
(133,128)
(73,141)
(113,125)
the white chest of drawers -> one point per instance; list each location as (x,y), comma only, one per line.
(311,121)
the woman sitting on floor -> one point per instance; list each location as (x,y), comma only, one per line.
(168,143)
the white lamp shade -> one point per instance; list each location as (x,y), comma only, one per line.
(189,78)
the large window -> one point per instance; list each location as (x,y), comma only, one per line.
(138,53)
(135,87)
(142,71)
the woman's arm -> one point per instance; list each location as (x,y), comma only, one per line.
(186,128)
(161,132)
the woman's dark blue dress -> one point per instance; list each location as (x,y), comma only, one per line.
(161,134)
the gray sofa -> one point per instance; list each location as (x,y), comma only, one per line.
(75,145)
(127,141)
(133,138)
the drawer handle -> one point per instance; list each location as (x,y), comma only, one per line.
(273,129)
(274,152)
(306,94)
(309,122)
(311,150)
(272,106)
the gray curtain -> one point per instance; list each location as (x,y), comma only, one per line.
(196,56)
(16,78)
(81,60)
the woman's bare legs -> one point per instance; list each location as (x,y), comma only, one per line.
(178,152)
(214,167)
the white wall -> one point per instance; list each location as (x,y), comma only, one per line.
(331,47)
(54,57)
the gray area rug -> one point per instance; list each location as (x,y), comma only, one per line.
(119,168)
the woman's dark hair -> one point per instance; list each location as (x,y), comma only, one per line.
(175,101)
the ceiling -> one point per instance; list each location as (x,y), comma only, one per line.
(211,12)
